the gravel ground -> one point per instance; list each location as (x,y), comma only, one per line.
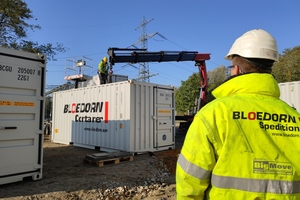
(66,176)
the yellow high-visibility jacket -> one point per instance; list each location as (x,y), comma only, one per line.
(102,67)
(243,145)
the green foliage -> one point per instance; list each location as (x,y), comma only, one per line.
(287,68)
(48,49)
(215,78)
(13,16)
(186,94)
(14,28)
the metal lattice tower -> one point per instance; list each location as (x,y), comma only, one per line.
(144,75)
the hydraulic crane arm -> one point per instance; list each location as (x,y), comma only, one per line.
(121,55)
(124,55)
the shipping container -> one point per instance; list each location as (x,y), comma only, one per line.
(22,83)
(126,116)
(290,93)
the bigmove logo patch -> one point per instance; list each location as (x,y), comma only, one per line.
(82,111)
(272,167)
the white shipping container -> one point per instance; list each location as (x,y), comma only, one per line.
(290,93)
(22,83)
(126,116)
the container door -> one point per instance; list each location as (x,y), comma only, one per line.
(21,116)
(165,119)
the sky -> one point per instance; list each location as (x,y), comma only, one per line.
(88,28)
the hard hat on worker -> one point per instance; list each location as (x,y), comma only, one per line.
(257,44)
(104,59)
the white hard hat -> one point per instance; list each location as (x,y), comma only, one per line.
(255,43)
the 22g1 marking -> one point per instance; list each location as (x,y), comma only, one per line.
(23,77)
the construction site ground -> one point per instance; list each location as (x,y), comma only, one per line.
(67,176)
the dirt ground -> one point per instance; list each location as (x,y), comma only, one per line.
(67,176)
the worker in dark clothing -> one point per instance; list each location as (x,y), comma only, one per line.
(103,70)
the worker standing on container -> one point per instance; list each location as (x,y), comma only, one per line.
(245,143)
(103,70)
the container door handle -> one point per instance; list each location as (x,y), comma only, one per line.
(162,123)
(8,127)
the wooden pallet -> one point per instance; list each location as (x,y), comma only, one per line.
(102,162)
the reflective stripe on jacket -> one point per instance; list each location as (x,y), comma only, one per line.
(243,145)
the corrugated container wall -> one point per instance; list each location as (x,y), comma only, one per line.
(22,83)
(290,93)
(126,116)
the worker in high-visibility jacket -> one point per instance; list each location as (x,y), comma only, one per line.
(245,144)
(103,70)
